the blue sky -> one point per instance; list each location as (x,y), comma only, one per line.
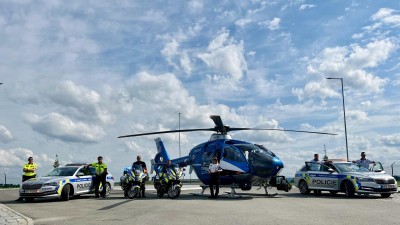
(78,74)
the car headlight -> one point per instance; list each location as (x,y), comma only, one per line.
(364,179)
(50,184)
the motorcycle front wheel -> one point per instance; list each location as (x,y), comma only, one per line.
(174,192)
(133,192)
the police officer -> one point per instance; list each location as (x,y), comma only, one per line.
(164,170)
(316,158)
(101,174)
(143,165)
(364,162)
(166,166)
(29,172)
(214,171)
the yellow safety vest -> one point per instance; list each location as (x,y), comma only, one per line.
(30,167)
(99,168)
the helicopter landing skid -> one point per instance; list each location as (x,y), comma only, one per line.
(266,191)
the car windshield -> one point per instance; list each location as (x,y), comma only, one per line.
(350,167)
(61,172)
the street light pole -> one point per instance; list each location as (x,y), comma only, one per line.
(344,114)
(5,179)
(179,135)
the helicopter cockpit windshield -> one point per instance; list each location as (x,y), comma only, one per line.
(255,149)
(259,157)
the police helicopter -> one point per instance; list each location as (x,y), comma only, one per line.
(244,164)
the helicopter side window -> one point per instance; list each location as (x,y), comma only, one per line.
(207,157)
(218,154)
(233,154)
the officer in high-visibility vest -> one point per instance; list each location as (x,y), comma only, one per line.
(29,172)
(101,174)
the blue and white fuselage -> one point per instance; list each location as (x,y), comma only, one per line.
(244,164)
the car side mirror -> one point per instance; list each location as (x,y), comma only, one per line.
(331,170)
(80,174)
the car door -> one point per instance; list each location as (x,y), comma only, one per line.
(314,172)
(83,180)
(323,177)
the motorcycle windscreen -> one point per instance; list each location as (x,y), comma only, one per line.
(233,159)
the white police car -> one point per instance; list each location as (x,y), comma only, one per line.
(63,182)
(344,177)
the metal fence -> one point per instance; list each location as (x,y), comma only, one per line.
(392,168)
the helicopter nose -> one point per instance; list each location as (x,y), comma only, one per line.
(277,164)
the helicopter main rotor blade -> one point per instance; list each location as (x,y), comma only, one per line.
(298,131)
(218,123)
(168,131)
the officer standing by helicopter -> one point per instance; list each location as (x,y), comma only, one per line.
(214,170)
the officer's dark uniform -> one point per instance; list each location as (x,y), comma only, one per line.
(143,165)
(214,178)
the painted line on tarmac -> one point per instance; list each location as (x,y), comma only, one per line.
(51,219)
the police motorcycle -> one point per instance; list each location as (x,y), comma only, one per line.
(132,181)
(169,182)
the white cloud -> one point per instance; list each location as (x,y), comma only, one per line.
(351,64)
(306,6)
(79,102)
(383,18)
(225,56)
(19,156)
(60,127)
(396,80)
(391,140)
(5,135)
(385,15)
(366,104)
(174,54)
(357,115)
(314,88)
(195,6)
(273,24)
(186,63)
(243,22)
(359,143)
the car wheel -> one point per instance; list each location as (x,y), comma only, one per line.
(65,193)
(348,188)
(303,187)
(108,189)
(385,195)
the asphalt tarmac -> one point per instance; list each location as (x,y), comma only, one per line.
(253,207)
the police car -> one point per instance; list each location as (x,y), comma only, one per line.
(63,182)
(342,176)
